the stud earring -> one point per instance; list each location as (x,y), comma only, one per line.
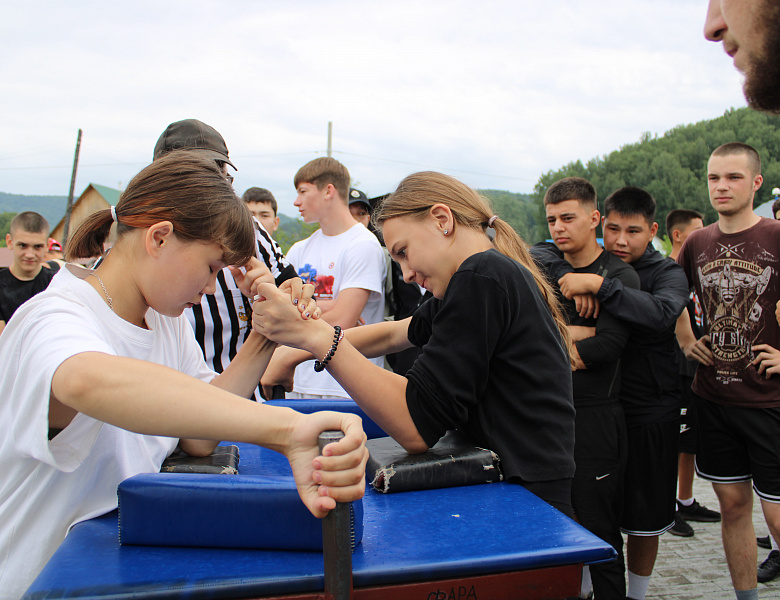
(446,232)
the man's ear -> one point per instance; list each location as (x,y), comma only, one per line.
(595,218)
(158,237)
(9,241)
(329,191)
(653,230)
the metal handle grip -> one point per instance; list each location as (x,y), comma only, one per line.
(336,540)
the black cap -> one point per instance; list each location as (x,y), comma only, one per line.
(191,134)
(358,196)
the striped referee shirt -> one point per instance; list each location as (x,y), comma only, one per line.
(223,320)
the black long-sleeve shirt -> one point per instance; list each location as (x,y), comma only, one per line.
(649,370)
(493,366)
(599,382)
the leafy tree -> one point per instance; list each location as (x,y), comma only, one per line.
(673,167)
(5,226)
(293,231)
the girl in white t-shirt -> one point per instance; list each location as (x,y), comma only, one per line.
(105,353)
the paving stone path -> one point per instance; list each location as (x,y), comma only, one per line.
(695,568)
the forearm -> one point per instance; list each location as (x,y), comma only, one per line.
(345,310)
(608,342)
(242,375)
(657,310)
(155,400)
(684,332)
(379,392)
(380,338)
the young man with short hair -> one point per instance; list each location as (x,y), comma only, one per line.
(262,204)
(600,427)
(28,239)
(649,372)
(346,264)
(680,223)
(360,207)
(732,265)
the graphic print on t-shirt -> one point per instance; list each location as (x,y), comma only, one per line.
(733,281)
(323,284)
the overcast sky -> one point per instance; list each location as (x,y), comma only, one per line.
(493,92)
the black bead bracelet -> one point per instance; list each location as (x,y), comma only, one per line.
(338,335)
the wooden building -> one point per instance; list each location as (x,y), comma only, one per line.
(94,198)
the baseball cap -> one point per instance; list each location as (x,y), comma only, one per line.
(358,196)
(191,134)
(54,245)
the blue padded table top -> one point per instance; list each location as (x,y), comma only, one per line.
(410,536)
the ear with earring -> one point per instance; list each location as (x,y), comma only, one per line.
(446,232)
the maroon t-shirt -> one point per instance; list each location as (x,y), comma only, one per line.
(736,278)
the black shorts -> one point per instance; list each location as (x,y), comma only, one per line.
(688,404)
(739,444)
(650,479)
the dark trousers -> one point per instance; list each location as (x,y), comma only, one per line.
(597,488)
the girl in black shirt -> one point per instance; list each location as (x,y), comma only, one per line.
(494,362)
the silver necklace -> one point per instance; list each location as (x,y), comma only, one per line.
(105,291)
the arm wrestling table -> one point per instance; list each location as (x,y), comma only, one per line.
(492,541)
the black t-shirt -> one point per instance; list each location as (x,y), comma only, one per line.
(600,381)
(493,366)
(15,292)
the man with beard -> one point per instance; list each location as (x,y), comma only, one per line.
(748,30)
(732,265)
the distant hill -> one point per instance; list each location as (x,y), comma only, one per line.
(519,210)
(51,207)
(285,220)
(673,167)
(516,209)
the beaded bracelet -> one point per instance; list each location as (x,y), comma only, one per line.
(338,335)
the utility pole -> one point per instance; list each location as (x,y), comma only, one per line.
(330,138)
(69,207)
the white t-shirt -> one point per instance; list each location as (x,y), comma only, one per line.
(48,486)
(333,263)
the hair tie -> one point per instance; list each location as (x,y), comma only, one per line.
(113,215)
(492,220)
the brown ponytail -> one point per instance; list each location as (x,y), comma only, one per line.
(184,188)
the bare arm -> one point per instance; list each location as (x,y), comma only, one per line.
(2,325)
(346,308)
(379,392)
(155,400)
(241,377)
(370,340)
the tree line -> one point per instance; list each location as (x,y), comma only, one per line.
(673,167)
